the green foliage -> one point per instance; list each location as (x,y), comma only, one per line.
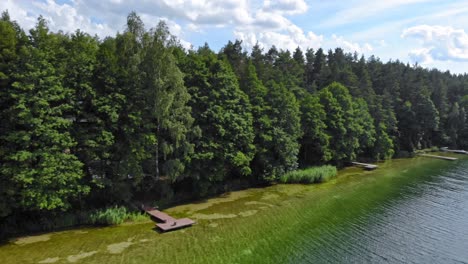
(9,45)
(383,147)
(224,147)
(282,144)
(340,125)
(364,125)
(166,99)
(315,142)
(39,160)
(310,175)
(115,216)
(89,122)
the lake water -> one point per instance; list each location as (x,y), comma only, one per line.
(407,211)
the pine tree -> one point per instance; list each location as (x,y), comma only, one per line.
(289,71)
(309,82)
(236,57)
(321,71)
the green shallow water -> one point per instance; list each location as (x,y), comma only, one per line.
(407,211)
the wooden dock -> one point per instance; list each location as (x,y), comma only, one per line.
(438,157)
(167,222)
(177,224)
(365,165)
(456,151)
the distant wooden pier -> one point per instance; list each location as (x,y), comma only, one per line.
(456,151)
(168,222)
(365,165)
(438,157)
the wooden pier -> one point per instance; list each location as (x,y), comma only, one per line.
(456,151)
(365,165)
(167,222)
(438,157)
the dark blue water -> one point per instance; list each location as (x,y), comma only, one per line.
(425,221)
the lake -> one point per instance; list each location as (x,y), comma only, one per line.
(407,211)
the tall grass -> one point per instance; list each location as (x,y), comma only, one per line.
(23,224)
(310,175)
(114,216)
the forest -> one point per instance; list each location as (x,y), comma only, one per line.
(89,123)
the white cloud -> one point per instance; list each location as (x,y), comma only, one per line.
(103,18)
(289,7)
(350,46)
(60,17)
(269,27)
(290,39)
(439,43)
(18,13)
(252,21)
(267,21)
(422,56)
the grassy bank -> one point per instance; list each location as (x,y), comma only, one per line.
(310,175)
(248,226)
(34,223)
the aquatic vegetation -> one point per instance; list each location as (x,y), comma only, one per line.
(310,175)
(213,216)
(32,239)
(200,206)
(345,220)
(118,248)
(259,203)
(81,255)
(115,216)
(248,213)
(49,260)
(213,224)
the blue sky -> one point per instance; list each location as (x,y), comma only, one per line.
(431,33)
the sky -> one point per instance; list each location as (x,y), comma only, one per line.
(428,32)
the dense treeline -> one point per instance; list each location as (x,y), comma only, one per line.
(89,122)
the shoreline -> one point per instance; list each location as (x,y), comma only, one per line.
(259,219)
(9,239)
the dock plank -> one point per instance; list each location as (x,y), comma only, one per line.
(168,222)
(457,151)
(365,165)
(163,217)
(438,157)
(177,224)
